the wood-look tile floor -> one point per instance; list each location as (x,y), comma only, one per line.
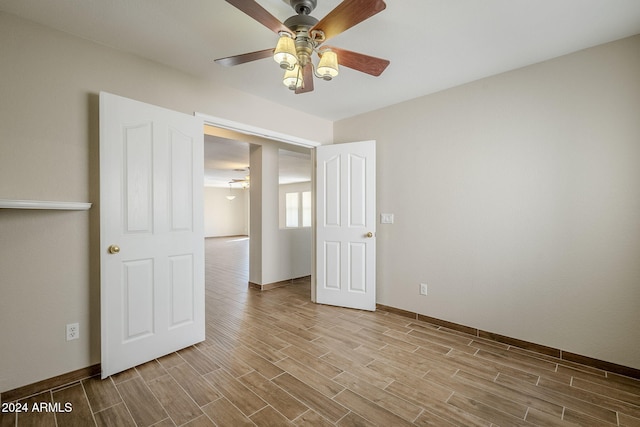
(275,359)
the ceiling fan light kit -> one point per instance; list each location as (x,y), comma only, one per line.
(293,78)
(328,65)
(301,35)
(285,52)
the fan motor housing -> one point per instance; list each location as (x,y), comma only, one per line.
(300,22)
(300,25)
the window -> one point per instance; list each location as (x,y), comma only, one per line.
(298,209)
(292,202)
(306,209)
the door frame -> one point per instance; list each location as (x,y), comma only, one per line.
(251,130)
(275,137)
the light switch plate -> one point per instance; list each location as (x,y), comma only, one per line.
(386,218)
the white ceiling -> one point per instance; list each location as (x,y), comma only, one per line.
(432,44)
(226,160)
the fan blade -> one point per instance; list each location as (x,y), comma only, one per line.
(359,61)
(260,14)
(347,14)
(247,57)
(307,79)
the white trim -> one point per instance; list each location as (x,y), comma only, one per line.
(255,131)
(42,204)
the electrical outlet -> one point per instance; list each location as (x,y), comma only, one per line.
(423,289)
(73,331)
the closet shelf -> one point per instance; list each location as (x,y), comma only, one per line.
(43,204)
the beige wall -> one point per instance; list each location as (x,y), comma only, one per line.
(223,217)
(517,200)
(49,274)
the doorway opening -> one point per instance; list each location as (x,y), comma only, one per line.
(278,254)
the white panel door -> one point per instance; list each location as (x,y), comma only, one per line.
(151,232)
(345,225)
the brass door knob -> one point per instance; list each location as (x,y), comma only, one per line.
(114,249)
(369,234)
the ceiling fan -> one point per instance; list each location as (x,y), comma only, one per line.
(301,35)
(245,182)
